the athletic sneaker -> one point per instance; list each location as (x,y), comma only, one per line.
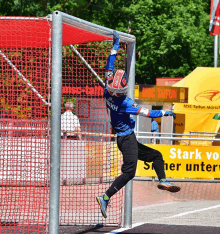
(103,204)
(166,185)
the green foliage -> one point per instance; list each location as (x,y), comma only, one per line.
(172,38)
(73,65)
(41,7)
(16,97)
(172,35)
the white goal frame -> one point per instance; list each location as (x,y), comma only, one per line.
(58,18)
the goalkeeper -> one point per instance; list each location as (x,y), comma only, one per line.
(119,108)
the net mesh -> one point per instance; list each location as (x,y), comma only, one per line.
(90,160)
(88,166)
(24,141)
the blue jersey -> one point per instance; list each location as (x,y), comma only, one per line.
(119,110)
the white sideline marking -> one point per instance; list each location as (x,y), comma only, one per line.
(138,224)
(124,229)
(173,216)
(191,212)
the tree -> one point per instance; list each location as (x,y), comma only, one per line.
(172,38)
(41,7)
(172,35)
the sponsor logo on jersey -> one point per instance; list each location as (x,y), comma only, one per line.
(134,104)
(111,105)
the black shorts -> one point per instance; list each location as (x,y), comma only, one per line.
(132,151)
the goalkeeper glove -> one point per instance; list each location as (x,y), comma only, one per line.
(170,113)
(116,40)
(111,59)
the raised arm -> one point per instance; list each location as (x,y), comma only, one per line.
(129,106)
(110,66)
(155,113)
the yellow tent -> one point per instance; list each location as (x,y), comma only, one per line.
(203,100)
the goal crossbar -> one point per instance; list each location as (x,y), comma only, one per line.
(94,28)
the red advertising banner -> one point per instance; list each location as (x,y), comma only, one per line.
(91,91)
(214,18)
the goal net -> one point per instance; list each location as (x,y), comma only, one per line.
(88,164)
